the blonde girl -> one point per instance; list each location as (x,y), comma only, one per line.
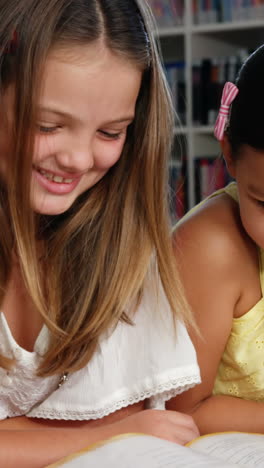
(88,286)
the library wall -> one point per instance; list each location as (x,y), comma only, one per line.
(203,44)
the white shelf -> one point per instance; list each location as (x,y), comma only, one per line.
(180,130)
(229,26)
(175,163)
(203,130)
(199,129)
(171,31)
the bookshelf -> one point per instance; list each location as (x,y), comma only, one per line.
(202,36)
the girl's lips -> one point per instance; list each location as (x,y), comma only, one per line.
(56,188)
(64,175)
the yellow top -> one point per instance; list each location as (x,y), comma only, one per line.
(241,370)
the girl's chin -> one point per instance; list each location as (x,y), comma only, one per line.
(50,210)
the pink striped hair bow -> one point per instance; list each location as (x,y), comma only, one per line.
(229,93)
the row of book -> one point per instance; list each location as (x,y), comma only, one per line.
(168,13)
(210,175)
(175,73)
(178,192)
(171,13)
(213,11)
(208,78)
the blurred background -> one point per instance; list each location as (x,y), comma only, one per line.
(203,44)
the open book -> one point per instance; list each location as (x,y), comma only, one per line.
(223,450)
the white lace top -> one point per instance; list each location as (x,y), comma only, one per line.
(132,363)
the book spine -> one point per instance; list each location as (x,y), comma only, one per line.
(177,9)
(196,92)
(210,175)
(168,13)
(177,193)
(205,85)
(213,101)
(195,12)
(226,11)
(208,78)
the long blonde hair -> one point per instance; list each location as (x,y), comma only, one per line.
(98,253)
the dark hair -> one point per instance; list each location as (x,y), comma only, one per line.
(246,116)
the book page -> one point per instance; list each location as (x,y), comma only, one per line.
(140,451)
(239,448)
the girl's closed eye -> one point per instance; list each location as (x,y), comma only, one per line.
(260,203)
(48,129)
(112,135)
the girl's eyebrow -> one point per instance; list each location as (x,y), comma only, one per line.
(68,115)
(50,110)
(123,120)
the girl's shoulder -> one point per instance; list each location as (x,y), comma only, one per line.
(213,248)
(212,235)
(214,224)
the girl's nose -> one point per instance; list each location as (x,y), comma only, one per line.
(77,159)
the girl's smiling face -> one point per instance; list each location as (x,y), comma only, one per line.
(87,101)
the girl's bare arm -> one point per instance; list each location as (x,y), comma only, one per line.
(210,252)
(29,443)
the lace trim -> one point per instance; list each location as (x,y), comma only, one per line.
(164,392)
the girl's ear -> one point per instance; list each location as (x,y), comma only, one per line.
(228,156)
